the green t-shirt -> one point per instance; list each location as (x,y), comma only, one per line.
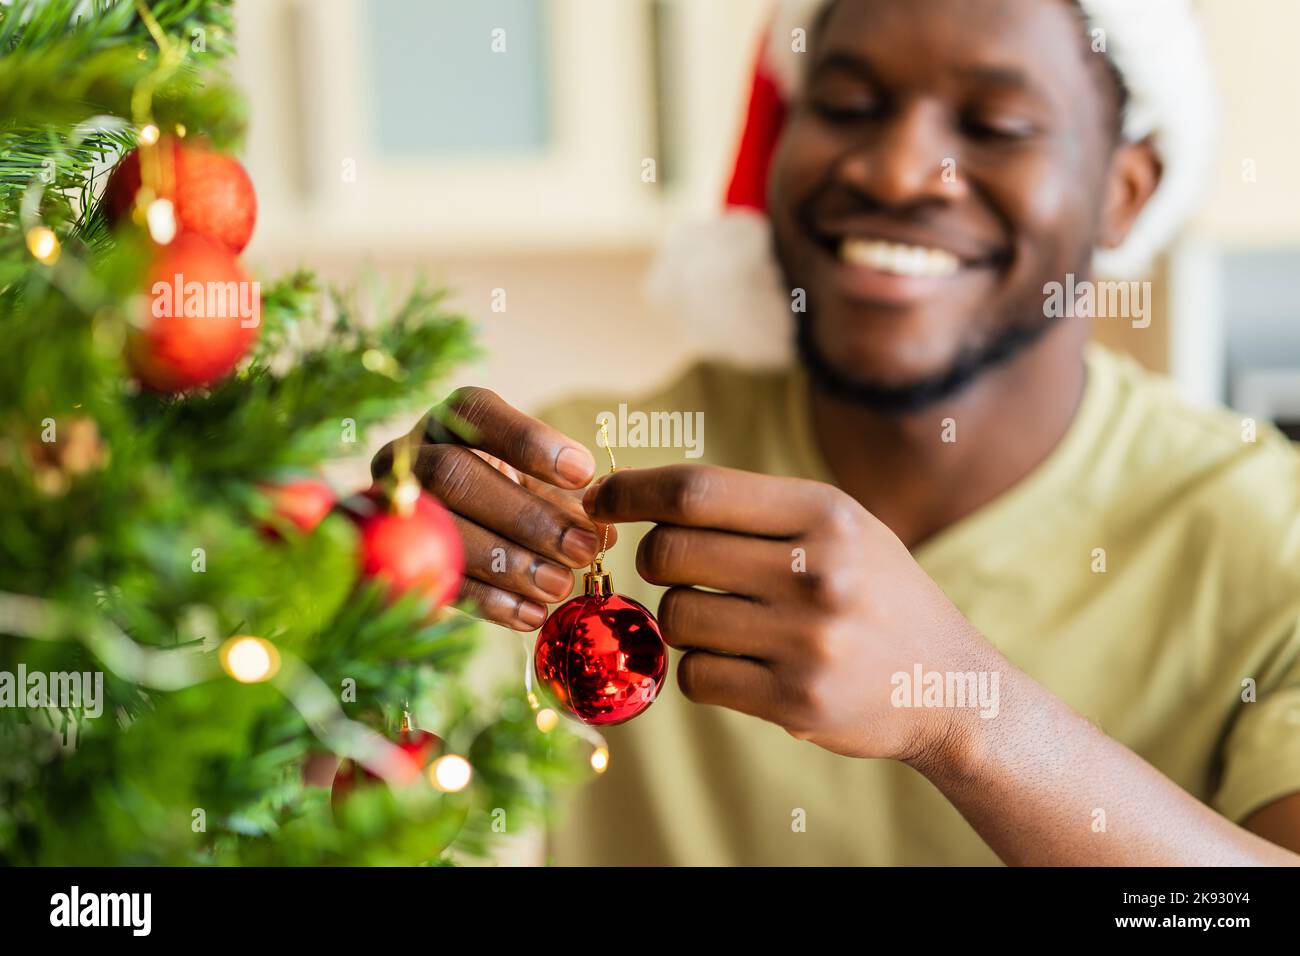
(1199,531)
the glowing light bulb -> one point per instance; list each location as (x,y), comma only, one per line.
(161,218)
(43,244)
(600,759)
(149,134)
(250,660)
(450,773)
(406,494)
(547,719)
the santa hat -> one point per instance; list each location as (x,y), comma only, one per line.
(720,275)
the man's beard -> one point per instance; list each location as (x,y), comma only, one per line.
(971,363)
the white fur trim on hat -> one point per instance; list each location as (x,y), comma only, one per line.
(721,277)
(1158,50)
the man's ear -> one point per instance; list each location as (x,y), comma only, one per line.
(1135,173)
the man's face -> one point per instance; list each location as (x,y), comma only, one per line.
(947,158)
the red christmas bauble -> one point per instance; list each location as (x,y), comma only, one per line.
(302,502)
(202,314)
(211,194)
(415,549)
(600,657)
(418,748)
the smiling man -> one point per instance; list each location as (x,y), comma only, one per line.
(958,587)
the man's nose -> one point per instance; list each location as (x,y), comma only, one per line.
(908,158)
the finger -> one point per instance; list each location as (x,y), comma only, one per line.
(734,682)
(719,623)
(502,607)
(480,418)
(754,567)
(570,499)
(502,564)
(469,487)
(571,502)
(704,496)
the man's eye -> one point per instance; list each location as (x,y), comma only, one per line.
(998,128)
(844,108)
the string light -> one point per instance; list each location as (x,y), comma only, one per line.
(43,244)
(547,719)
(600,759)
(250,660)
(149,134)
(381,363)
(160,215)
(406,494)
(450,773)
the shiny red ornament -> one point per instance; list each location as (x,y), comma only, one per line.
(415,549)
(418,748)
(210,192)
(202,314)
(301,502)
(600,657)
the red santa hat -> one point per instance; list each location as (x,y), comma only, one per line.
(720,275)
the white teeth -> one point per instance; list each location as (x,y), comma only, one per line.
(902,260)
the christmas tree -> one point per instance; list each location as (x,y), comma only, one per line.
(194,627)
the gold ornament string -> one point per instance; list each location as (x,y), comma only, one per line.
(156,173)
(42,241)
(613,466)
(406,490)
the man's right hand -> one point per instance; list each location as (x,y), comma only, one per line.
(513,486)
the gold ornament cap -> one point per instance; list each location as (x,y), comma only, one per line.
(597,582)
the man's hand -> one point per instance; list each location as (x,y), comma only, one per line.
(822,605)
(512,486)
(815,650)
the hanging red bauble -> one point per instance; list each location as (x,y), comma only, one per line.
(202,314)
(302,502)
(600,657)
(418,748)
(411,548)
(210,192)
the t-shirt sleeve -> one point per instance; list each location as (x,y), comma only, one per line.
(1261,754)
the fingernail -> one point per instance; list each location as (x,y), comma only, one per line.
(580,544)
(553,579)
(534,615)
(589,499)
(575,465)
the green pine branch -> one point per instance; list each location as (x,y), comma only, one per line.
(36,24)
(67,80)
(155,537)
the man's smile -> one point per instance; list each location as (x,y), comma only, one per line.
(880,267)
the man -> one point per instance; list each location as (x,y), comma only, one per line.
(953,493)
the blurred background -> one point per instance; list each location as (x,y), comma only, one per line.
(390,134)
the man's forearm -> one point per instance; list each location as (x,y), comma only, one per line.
(1044,787)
